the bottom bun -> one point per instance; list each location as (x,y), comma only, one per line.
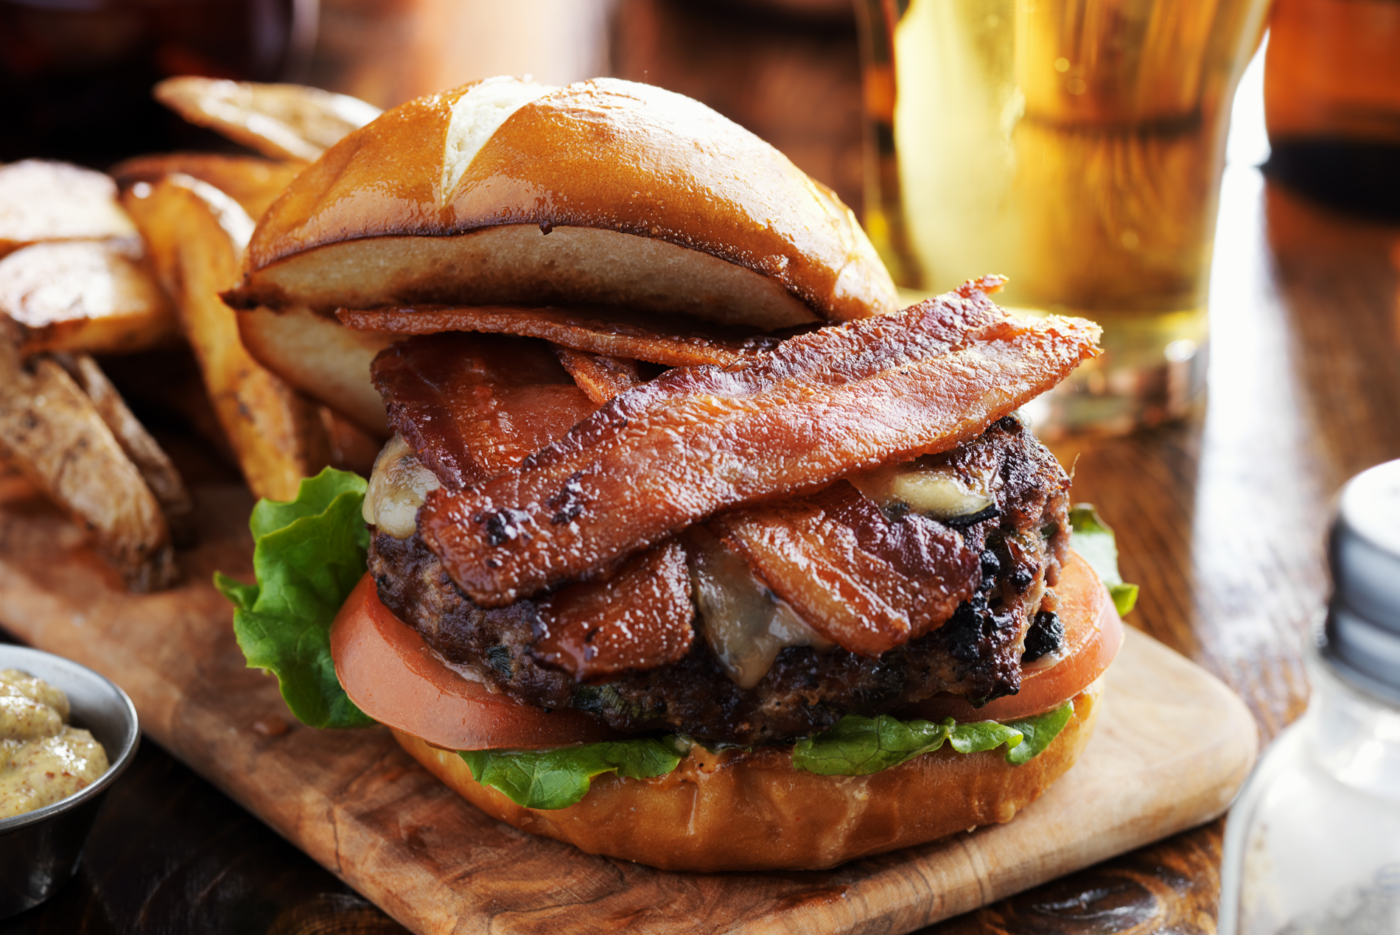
(739,810)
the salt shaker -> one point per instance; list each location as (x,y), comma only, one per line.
(1312,846)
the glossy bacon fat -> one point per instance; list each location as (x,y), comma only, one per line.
(608,331)
(600,376)
(472,406)
(638,619)
(864,582)
(696,440)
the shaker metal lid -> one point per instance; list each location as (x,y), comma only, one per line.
(1363,617)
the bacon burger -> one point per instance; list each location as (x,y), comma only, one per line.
(689,546)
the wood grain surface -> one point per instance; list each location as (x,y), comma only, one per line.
(1171,747)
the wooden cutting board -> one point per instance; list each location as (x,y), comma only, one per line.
(1172,746)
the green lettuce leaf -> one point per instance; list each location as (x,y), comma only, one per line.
(559,777)
(308,555)
(1037,732)
(858,746)
(984,735)
(1094,542)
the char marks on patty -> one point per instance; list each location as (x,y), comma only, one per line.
(973,648)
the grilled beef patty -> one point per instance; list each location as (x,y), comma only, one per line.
(976,652)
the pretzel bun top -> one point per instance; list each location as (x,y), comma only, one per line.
(602,192)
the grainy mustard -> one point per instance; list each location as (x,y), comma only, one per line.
(42,759)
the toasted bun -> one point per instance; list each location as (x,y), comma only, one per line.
(506,192)
(741,810)
(602,192)
(321,358)
(753,811)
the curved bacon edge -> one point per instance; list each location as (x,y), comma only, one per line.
(599,629)
(600,376)
(613,332)
(473,406)
(696,440)
(865,582)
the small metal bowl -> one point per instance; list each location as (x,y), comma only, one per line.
(39,850)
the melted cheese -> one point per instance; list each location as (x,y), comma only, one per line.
(398,485)
(935,490)
(745,623)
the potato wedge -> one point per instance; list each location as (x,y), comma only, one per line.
(85,295)
(169,386)
(195,235)
(323,359)
(54,434)
(284,121)
(252,182)
(155,465)
(42,200)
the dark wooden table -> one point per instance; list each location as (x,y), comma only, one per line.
(1220,519)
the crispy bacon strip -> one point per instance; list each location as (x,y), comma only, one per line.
(862,581)
(616,333)
(473,406)
(627,623)
(698,439)
(600,376)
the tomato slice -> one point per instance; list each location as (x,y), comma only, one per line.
(1093,635)
(397,679)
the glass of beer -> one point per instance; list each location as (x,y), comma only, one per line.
(1075,146)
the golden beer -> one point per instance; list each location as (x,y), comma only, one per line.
(1075,146)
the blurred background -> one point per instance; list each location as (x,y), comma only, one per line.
(1090,134)
(75,75)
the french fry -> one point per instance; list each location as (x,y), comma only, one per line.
(195,235)
(154,464)
(53,433)
(80,295)
(321,358)
(56,201)
(284,121)
(252,182)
